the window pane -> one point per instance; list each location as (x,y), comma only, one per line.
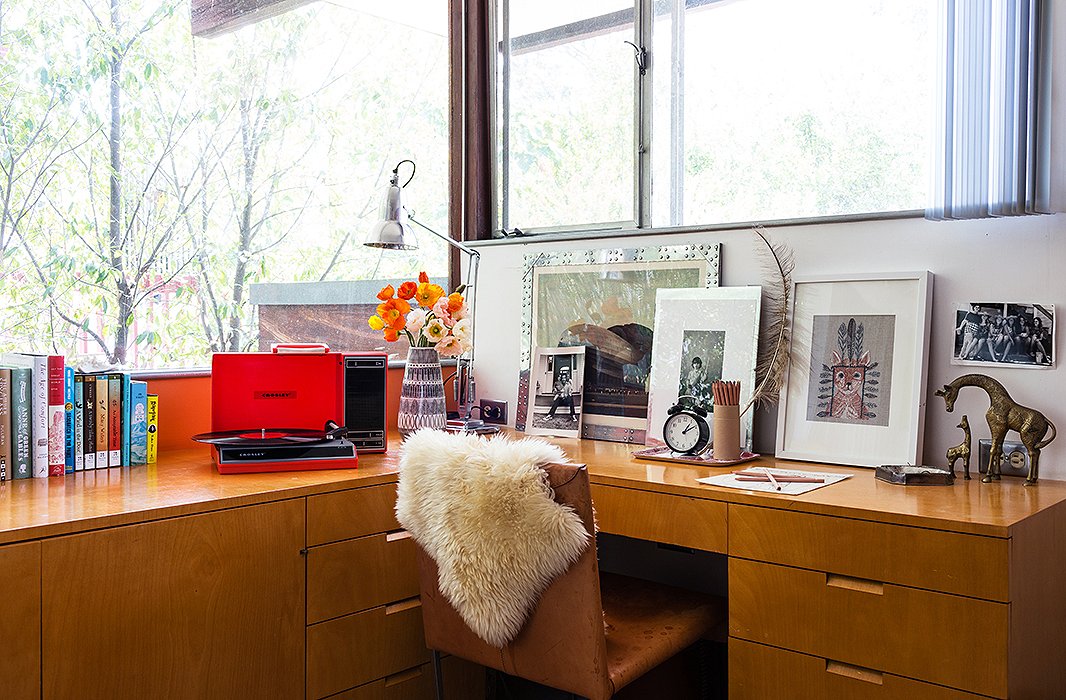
(256,156)
(566,114)
(783,109)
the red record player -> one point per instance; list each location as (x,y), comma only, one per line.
(264,404)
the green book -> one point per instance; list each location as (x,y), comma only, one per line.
(5,425)
(21,434)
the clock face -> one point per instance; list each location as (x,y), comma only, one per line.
(685,432)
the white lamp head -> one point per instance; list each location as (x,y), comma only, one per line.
(393,230)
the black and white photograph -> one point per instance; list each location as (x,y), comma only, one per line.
(702,354)
(555,397)
(1005,334)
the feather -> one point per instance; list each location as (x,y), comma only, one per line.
(773,354)
(858,338)
(843,342)
(852,355)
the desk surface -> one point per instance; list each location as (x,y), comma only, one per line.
(186,482)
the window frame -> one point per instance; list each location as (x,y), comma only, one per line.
(644,30)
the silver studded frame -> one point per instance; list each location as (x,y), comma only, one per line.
(705,256)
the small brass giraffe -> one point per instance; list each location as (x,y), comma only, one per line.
(962,450)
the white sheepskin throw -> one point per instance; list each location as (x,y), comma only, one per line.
(484,511)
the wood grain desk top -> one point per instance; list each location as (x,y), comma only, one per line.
(968,506)
(182,483)
(186,482)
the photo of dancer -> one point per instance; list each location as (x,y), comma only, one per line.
(1018,335)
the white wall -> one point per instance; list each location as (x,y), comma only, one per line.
(1021,259)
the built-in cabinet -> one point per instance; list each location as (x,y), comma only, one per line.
(20,621)
(300,597)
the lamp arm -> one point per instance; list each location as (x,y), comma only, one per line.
(471,284)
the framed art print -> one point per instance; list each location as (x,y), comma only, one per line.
(702,336)
(604,300)
(854,390)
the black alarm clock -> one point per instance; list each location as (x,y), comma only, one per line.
(686,429)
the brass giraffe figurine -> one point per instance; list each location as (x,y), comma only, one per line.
(1005,414)
(962,450)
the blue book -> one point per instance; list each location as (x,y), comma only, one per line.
(138,423)
(127,407)
(68,407)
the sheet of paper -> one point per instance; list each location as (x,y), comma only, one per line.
(787,488)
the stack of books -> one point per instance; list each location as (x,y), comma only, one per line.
(55,421)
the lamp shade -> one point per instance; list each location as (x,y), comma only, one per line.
(393,231)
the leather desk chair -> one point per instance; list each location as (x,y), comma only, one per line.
(590,634)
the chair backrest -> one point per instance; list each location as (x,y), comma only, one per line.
(562,644)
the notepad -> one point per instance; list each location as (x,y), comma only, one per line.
(787,488)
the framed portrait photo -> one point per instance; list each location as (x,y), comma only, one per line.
(702,336)
(1002,334)
(854,390)
(604,301)
(556,382)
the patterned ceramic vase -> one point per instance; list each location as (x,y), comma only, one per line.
(422,394)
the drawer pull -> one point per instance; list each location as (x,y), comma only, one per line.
(403,676)
(393,608)
(397,535)
(855,584)
(867,675)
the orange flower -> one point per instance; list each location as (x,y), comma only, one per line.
(392,335)
(399,323)
(386,292)
(423,277)
(427,294)
(455,302)
(393,305)
(407,290)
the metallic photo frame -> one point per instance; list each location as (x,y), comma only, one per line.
(702,259)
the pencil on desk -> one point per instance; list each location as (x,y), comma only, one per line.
(780,479)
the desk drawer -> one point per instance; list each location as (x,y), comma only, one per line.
(356,649)
(970,565)
(353,575)
(413,684)
(661,517)
(343,515)
(947,639)
(757,672)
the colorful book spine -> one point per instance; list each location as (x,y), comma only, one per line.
(127,414)
(153,427)
(89,382)
(79,422)
(68,419)
(101,421)
(138,401)
(22,462)
(6,452)
(39,413)
(57,417)
(114,420)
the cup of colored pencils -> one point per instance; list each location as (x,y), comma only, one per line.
(726,420)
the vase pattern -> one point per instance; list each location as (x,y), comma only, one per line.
(422,393)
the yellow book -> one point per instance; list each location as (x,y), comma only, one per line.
(153,427)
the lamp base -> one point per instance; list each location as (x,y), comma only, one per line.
(471,425)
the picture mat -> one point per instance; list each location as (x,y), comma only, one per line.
(598,294)
(540,358)
(961,309)
(734,310)
(907,297)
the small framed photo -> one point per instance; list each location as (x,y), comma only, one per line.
(854,391)
(555,391)
(1004,335)
(702,336)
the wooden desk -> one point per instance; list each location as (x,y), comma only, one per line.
(175,581)
(862,588)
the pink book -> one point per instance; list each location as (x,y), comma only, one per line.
(57,417)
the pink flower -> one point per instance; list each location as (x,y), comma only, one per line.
(440,310)
(449,346)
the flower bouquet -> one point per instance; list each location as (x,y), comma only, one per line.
(426,315)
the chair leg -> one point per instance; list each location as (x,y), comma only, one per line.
(438,675)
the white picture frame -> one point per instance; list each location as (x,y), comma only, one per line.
(878,326)
(718,326)
(550,413)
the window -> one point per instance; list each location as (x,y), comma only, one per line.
(146,189)
(749,110)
